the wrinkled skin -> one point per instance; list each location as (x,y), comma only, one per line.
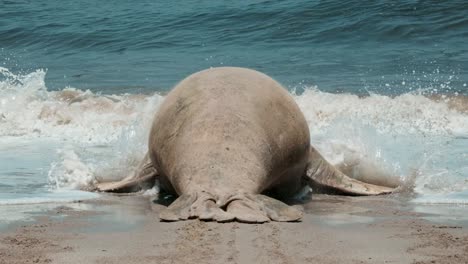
(223,139)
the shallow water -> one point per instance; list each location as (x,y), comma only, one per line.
(383,86)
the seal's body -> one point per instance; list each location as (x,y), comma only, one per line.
(229,130)
(226,136)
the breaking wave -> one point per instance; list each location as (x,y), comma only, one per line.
(411,138)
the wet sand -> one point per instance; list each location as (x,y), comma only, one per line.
(335,229)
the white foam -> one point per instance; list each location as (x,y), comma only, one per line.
(72,172)
(27,109)
(404,114)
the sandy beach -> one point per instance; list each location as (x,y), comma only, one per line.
(335,229)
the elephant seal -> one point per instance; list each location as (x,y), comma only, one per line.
(231,143)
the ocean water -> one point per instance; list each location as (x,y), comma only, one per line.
(383,85)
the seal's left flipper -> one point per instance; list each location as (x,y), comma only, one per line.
(323,175)
(142,179)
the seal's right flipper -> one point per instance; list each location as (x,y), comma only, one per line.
(323,175)
(142,179)
(258,208)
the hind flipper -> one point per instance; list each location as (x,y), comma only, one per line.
(247,211)
(179,209)
(322,175)
(142,179)
(189,206)
(246,208)
(259,208)
(279,211)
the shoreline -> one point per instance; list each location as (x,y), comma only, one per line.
(335,229)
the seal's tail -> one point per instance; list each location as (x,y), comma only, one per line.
(247,208)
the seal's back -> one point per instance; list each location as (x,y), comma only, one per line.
(225,134)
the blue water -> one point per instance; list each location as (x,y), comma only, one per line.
(383,84)
(353,46)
